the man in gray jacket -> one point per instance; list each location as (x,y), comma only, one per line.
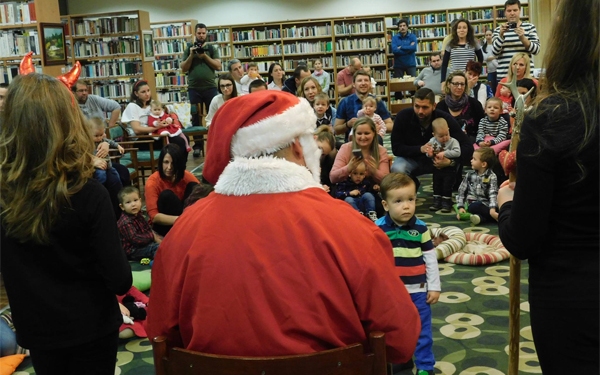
(430,77)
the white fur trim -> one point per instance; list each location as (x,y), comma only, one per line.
(266,136)
(264,175)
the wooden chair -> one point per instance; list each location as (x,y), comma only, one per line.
(147,160)
(350,360)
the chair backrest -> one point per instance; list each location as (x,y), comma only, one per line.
(348,360)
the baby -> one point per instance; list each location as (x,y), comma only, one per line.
(164,123)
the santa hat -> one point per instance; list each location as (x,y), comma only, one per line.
(256,124)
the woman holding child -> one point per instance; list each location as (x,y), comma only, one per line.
(137,112)
(374,156)
(167,189)
(61,257)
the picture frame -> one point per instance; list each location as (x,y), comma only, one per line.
(147,45)
(54,47)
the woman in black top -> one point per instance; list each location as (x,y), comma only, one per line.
(553,219)
(466,110)
(62,260)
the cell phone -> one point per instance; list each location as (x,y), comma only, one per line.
(357,153)
(512,25)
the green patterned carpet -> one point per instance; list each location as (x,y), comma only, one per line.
(470,321)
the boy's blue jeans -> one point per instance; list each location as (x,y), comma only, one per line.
(363,203)
(424,359)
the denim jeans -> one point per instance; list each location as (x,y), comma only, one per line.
(363,203)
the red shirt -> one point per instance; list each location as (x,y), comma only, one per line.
(345,78)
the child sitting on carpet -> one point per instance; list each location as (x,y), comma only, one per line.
(358,192)
(443,146)
(415,257)
(137,238)
(493,128)
(478,190)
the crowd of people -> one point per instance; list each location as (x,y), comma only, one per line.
(280,150)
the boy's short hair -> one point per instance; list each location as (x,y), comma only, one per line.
(528,84)
(126,191)
(487,155)
(395,181)
(322,97)
(257,83)
(198,192)
(438,123)
(369,99)
(494,99)
(252,64)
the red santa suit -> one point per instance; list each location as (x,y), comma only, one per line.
(269,264)
(174,128)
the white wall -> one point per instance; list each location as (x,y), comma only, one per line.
(233,12)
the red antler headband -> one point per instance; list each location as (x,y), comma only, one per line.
(68,78)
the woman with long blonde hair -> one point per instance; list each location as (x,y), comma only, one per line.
(61,253)
(519,64)
(557,185)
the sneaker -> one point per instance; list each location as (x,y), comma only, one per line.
(372,215)
(446,205)
(475,219)
(437,203)
(424,372)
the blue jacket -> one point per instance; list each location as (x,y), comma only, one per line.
(405,56)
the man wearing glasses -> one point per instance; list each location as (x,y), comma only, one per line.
(412,132)
(94,105)
(200,61)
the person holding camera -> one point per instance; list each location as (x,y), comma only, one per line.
(513,37)
(200,61)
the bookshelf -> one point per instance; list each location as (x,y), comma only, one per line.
(220,36)
(170,40)
(109,48)
(20,33)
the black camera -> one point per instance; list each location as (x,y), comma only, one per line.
(199,48)
(512,25)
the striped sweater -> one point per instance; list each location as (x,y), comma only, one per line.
(497,129)
(414,254)
(506,48)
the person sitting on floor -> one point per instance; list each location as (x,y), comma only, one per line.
(476,199)
(358,192)
(137,237)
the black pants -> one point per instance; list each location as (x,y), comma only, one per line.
(566,338)
(123,174)
(203,97)
(97,357)
(482,210)
(169,204)
(443,181)
(399,73)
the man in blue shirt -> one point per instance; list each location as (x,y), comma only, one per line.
(350,105)
(404,47)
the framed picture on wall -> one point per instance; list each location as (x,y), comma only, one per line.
(147,45)
(54,49)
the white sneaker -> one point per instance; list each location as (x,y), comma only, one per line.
(475,219)
(372,215)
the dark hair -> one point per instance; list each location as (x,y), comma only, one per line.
(271,68)
(199,26)
(227,77)
(474,66)
(470,34)
(425,94)
(199,191)
(299,69)
(360,72)
(178,161)
(395,181)
(528,84)
(487,155)
(126,191)
(256,84)
(3,85)
(325,134)
(402,20)
(512,2)
(435,54)
(136,87)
